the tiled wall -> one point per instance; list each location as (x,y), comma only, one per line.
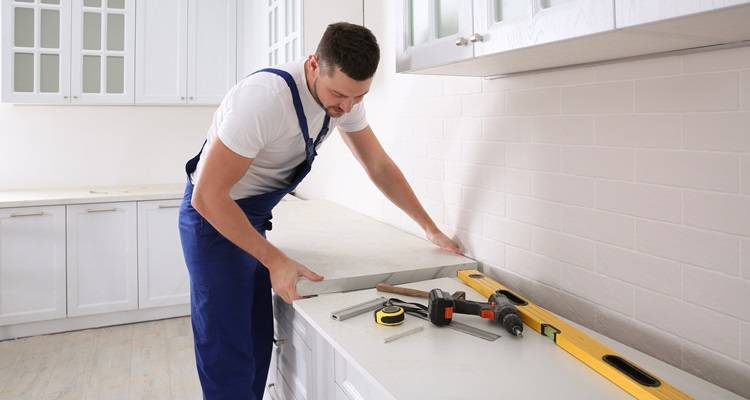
(616,195)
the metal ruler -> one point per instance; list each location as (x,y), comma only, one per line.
(627,375)
(461,327)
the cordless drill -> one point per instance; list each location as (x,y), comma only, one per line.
(442,306)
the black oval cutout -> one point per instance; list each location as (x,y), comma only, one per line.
(513,298)
(631,370)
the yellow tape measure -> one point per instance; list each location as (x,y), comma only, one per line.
(389,315)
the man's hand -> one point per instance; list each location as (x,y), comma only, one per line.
(284,276)
(444,242)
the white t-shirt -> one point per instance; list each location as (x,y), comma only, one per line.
(257,120)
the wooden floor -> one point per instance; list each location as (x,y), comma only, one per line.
(151,360)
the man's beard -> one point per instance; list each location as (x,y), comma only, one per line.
(333,112)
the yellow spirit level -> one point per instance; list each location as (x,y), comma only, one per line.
(623,373)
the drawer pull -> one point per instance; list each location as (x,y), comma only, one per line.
(36,214)
(169,206)
(279,342)
(271,389)
(102,210)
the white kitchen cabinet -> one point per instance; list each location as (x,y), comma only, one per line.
(102,258)
(102,51)
(32,264)
(162,274)
(36,51)
(186,51)
(636,12)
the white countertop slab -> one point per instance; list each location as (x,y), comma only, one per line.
(47,197)
(353,251)
(439,363)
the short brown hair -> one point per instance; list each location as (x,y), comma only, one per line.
(353,48)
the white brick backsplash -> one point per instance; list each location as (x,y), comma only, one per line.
(463,220)
(745,174)
(714,251)
(563,247)
(639,69)
(463,128)
(487,177)
(697,324)
(507,231)
(541,157)
(446,150)
(745,90)
(535,212)
(705,92)
(642,270)
(610,293)
(490,153)
(718,60)
(657,131)
(567,189)
(640,200)
(451,193)
(483,105)
(716,211)
(436,107)
(700,170)
(427,129)
(745,343)
(600,226)
(534,102)
(599,162)
(569,129)
(461,85)
(716,368)
(722,293)
(419,85)
(508,129)
(720,132)
(533,266)
(598,98)
(490,250)
(429,169)
(560,77)
(643,337)
(746,258)
(483,200)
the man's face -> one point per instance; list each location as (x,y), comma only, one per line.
(335,91)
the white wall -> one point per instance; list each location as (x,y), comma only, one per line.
(616,195)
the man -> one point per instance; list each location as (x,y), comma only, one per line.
(260,145)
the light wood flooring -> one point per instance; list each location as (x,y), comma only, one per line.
(151,360)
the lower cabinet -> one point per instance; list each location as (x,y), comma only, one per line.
(32,264)
(162,275)
(102,258)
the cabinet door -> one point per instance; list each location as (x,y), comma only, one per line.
(103,51)
(102,258)
(636,12)
(512,24)
(161,52)
(32,264)
(212,50)
(36,51)
(162,274)
(433,32)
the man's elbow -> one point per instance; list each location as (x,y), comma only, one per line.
(199,202)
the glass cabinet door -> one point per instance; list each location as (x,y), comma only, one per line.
(433,32)
(36,51)
(103,51)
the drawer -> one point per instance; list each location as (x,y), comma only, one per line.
(294,360)
(285,313)
(354,384)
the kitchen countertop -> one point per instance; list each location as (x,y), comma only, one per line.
(464,367)
(48,197)
(353,251)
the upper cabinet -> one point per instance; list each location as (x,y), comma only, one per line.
(186,51)
(36,51)
(495,37)
(102,49)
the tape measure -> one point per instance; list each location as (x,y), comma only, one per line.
(389,315)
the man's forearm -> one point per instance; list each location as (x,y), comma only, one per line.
(395,187)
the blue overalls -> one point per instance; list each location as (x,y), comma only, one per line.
(230,291)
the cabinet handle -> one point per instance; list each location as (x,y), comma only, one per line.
(279,342)
(75,97)
(169,206)
(182,98)
(271,389)
(36,214)
(191,98)
(461,42)
(102,210)
(476,38)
